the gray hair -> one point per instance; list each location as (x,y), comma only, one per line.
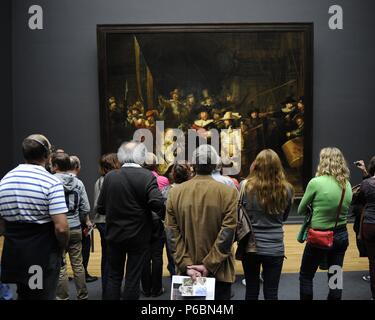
(75,163)
(132,152)
(219,165)
(205,154)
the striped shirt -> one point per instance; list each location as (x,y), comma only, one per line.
(29,193)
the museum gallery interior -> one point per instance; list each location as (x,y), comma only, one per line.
(171,150)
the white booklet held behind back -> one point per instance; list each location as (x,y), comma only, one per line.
(184,288)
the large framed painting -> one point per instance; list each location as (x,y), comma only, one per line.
(255,79)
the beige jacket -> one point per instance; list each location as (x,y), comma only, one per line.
(201,221)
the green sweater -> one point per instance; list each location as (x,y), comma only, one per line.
(324,194)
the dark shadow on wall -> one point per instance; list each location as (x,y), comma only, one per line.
(6,118)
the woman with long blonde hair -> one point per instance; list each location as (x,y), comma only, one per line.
(329,190)
(267,201)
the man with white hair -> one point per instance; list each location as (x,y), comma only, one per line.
(127,198)
(201,220)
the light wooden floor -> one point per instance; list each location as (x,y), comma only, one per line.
(293,253)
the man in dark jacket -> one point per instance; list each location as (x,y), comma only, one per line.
(127,198)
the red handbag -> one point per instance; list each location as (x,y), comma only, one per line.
(324,238)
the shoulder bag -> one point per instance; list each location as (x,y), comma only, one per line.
(324,238)
(244,233)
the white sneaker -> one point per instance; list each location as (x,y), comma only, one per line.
(366,278)
(244,282)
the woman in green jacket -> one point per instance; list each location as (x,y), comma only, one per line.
(324,193)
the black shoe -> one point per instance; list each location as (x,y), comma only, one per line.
(90,278)
(146,294)
(158,294)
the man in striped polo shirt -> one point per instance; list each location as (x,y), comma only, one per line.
(33,211)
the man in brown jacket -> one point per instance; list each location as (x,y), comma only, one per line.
(201,220)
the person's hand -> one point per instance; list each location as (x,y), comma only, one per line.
(361,166)
(199,268)
(89,224)
(194,274)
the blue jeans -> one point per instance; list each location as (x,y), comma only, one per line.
(5,291)
(313,257)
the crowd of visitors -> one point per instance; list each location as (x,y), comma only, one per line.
(195,213)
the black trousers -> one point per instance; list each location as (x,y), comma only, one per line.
(272,266)
(103,242)
(223,290)
(369,240)
(86,246)
(171,266)
(152,273)
(133,253)
(313,257)
(50,280)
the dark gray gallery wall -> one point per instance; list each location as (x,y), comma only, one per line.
(56,82)
(6,122)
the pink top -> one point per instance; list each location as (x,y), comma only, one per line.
(162,181)
(236,183)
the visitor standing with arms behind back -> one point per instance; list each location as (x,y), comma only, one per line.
(330,195)
(201,219)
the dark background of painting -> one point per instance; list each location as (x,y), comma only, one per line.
(244,63)
(255,62)
(55,79)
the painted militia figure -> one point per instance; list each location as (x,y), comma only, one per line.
(230,139)
(298,132)
(207,101)
(135,115)
(252,137)
(172,109)
(188,112)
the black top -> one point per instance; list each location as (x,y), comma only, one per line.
(367,197)
(25,245)
(127,198)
